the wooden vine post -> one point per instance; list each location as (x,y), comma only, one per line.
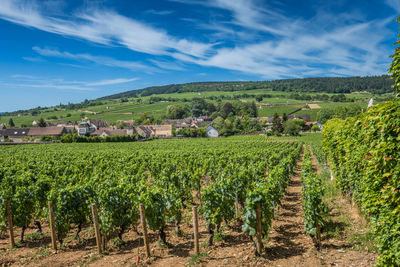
(52,226)
(10,224)
(196,231)
(259,231)
(97,228)
(318,236)
(144,229)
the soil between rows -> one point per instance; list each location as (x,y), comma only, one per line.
(288,245)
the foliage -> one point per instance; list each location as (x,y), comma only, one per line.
(341,112)
(42,123)
(313,192)
(364,153)
(277,126)
(374,84)
(161,175)
(395,66)
(315,128)
(175,112)
(47,138)
(293,127)
(192,132)
(11,123)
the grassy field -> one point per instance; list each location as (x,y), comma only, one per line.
(113,110)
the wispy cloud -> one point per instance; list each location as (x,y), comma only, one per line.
(103,27)
(160,12)
(112,81)
(323,44)
(343,44)
(22,80)
(100,60)
(33,59)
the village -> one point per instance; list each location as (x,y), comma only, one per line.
(103,129)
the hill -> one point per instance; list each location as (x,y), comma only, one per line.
(372,84)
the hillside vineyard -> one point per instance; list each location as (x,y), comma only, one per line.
(168,177)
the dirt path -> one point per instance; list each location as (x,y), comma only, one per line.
(344,239)
(288,244)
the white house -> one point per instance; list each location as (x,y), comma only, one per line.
(86,127)
(212,132)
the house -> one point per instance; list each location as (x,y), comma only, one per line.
(55,131)
(15,134)
(161,130)
(2,126)
(180,123)
(189,122)
(144,131)
(86,128)
(158,130)
(35,123)
(212,132)
(97,123)
(103,132)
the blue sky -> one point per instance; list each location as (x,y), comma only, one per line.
(56,51)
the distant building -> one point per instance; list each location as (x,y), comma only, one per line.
(35,123)
(15,134)
(55,131)
(159,130)
(103,132)
(97,123)
(143,131)
(3,126)
(212,132)
(86,128)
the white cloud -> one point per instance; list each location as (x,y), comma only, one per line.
(326,44)
(103,27)
(112,81)
(23,80)
(100,60)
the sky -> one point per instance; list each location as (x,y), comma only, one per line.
(60,51)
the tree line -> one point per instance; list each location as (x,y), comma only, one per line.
(373,84)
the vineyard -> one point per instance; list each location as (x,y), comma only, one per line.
(228,179)
(265,200)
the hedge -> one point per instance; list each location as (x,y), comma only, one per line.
(364,153)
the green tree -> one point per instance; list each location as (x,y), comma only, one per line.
(315,128)
(277,127)
(284,117)
(219,123)
(226,109)
(292,128)
(259,98)
(325,114)
(199,107)
(42,123)
(175,112)
(11,122)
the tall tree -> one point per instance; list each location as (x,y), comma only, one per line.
(277,127)
(42,123)
(11,122)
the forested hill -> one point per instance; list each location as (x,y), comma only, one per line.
(372,84)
